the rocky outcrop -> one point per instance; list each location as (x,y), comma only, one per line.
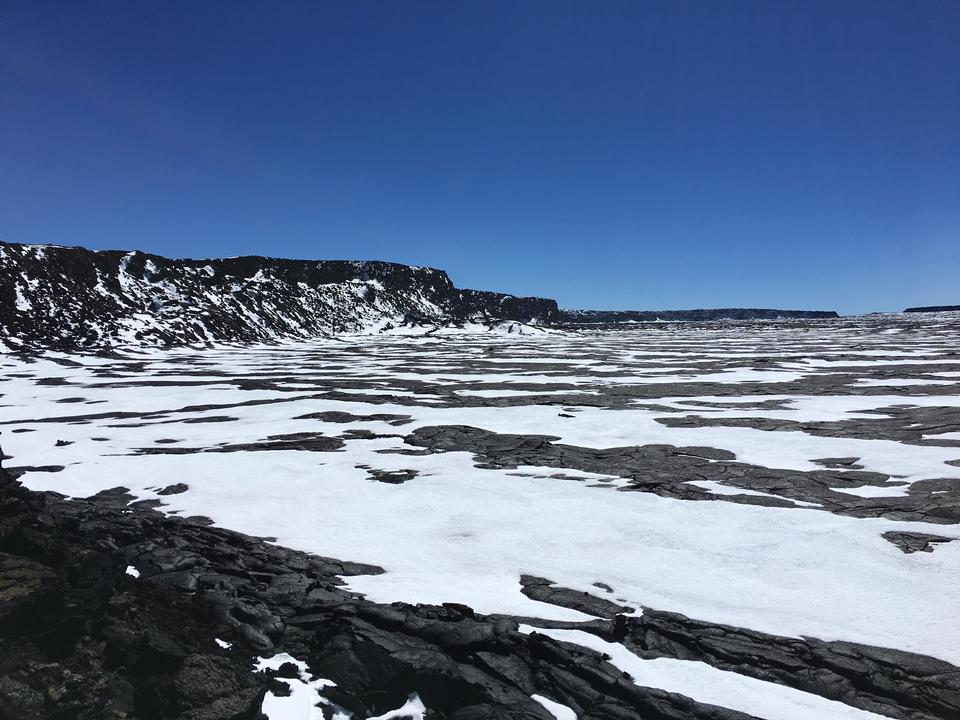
(618,317)
(863,676)
(911,542)
(71,297)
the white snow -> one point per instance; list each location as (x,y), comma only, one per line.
(22,303)
(560,712)
(943,436)
(412,709)
(132,571)
(305,699)
(875,491)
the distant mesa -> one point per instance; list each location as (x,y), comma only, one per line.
(933,309)
(615,317)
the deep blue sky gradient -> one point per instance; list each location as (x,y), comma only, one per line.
(631,154)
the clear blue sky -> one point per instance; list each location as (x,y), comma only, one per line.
(609,154)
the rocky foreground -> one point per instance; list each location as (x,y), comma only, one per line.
(81,638)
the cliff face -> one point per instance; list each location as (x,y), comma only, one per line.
(77,298)
(610,317)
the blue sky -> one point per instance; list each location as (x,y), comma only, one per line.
(643,155)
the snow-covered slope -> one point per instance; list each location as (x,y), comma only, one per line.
(77,298)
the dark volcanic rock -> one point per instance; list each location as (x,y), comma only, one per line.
(102,297)
(81,639)
(881,680)
(544,590)
(392,477)
(337,416)
(911,542)
(25,585)
(174,489)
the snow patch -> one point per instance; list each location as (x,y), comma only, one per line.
(560,712)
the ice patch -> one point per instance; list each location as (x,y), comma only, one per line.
(943,436)
(560,712)
(876,491)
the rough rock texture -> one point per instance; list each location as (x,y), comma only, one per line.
(545,590)
(76,298)
(859,675)
(911,542)
(79,638)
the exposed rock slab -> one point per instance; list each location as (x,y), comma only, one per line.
(911,542)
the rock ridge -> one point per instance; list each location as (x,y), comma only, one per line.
(74,298)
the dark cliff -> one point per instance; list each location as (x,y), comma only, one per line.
(76,298)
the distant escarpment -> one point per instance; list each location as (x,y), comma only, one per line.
(933,308)
(616,317)
(71,297)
